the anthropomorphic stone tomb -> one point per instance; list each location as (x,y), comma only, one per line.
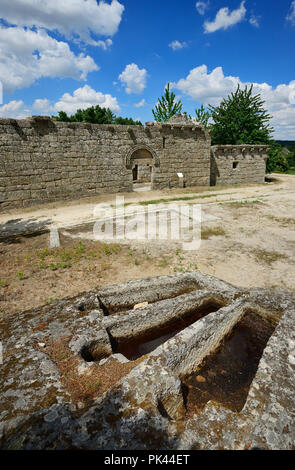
(193,363)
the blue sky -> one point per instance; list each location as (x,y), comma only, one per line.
(64,55)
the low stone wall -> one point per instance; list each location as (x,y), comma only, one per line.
(42,160)
(238,164)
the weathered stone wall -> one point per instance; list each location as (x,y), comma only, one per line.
(238,164)
(42,160)
(186,148)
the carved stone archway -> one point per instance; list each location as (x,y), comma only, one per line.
(144,152)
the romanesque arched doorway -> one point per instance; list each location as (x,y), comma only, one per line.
(142,160)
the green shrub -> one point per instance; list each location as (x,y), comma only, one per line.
(277,160)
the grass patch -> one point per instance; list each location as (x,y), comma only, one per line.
(59,258)
(56,266)
(107,250)
(268,257)
(20,276)
(164,262)
(208,232)
(283,221)
(244,203)
(76,266)
(189,267)
(174,199)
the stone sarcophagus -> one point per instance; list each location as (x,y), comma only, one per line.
(174,362)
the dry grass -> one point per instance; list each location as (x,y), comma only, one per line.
(33,275)
(245,203)
(282,221)
(89,385)
(268,257)
(208,232)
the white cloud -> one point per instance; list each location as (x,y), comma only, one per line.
(207,87)
(140,104)
(86,97)
(291,15)
(14,109)
(26,56)
(284,123)
(224,19)
(176,45)
(254,21)
(134,79)
(211,88)
(82,98)
(104,44)
(28,51)
(202,7)
(43,106)
(72,18)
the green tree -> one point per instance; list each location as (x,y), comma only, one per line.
(127,121)
(95,115)
(277,160)
(110,116)
(240,119)
(78,116)
(203,115)
(62,116)
(167,106)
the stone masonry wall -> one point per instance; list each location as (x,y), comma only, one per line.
(185,149)
(238,164)
(42,160)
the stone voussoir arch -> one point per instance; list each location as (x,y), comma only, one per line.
(131,151)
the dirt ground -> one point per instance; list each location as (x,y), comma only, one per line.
(248,239)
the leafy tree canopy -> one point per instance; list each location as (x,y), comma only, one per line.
(95,115)
(240,119)
(277,160)
(203,116)
(290,144)
(167,106)
(127,121)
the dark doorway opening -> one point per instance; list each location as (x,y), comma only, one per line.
(135,173)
